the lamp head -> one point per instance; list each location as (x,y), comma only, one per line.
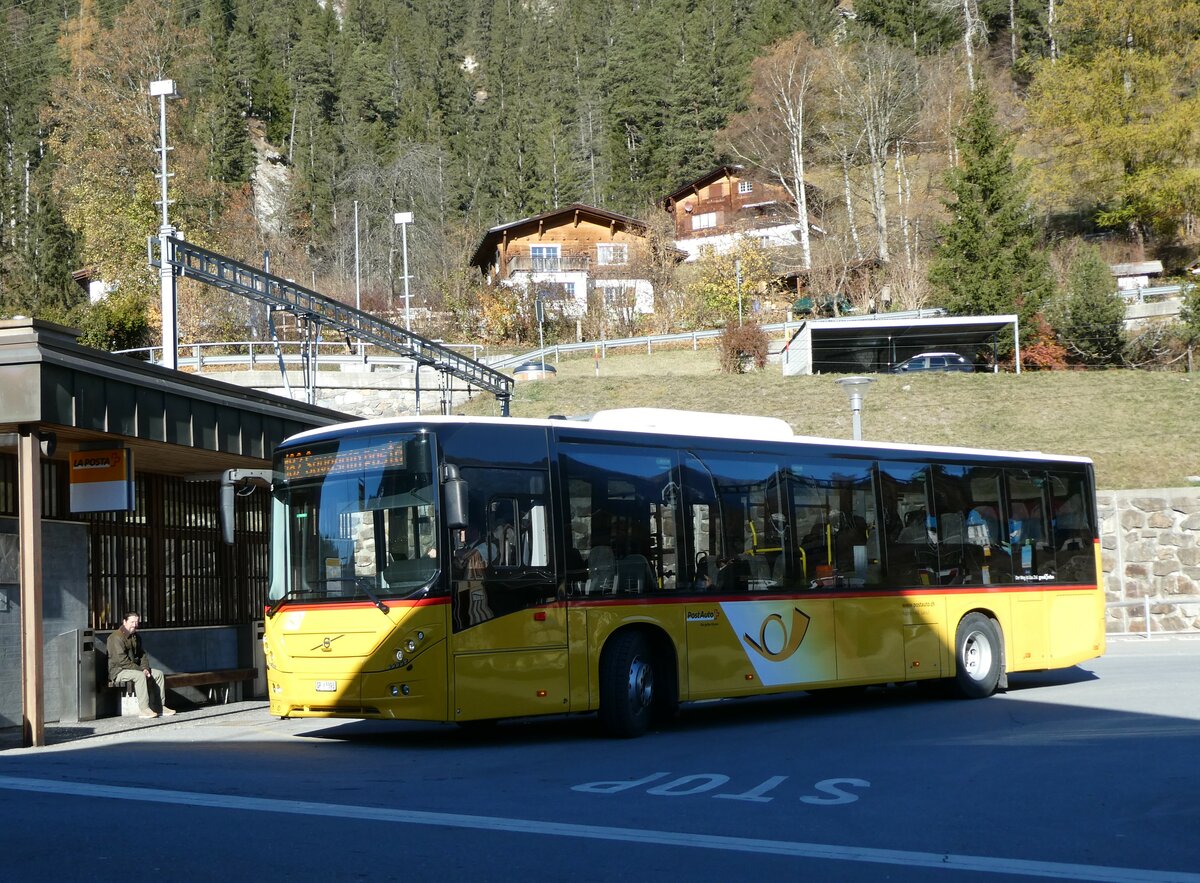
(163,88)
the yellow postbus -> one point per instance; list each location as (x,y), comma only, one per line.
(469,569)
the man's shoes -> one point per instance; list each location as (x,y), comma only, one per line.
(147,714)
(167,712)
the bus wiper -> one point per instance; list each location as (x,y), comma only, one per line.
(363,583)
(278,602)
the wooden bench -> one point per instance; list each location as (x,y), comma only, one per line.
(217,681)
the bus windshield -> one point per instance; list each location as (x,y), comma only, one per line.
(354,518)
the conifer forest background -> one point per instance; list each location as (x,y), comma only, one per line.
(983,155)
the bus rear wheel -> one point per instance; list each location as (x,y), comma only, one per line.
(977,656)
(627,685)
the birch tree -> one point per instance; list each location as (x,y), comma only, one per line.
(774,134)
(973,27)
(876,87)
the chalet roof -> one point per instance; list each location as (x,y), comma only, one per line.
(480,256)
(1140,268)
(727,170)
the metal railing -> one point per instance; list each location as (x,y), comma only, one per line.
(1145,604)
(1152,292)
(693,337)
(252,353)
(315,312)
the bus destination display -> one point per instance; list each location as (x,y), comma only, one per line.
(307,463)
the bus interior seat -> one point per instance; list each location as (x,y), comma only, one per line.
(634,574)
(602,570)
(760,572)
(953,533)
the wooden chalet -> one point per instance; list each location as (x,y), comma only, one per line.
(729,201)
(565,253)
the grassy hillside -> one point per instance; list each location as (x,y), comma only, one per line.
(1139,427)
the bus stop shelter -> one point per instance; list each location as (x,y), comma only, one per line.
(163,554)
(873,344)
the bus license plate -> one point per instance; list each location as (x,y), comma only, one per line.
(326,686)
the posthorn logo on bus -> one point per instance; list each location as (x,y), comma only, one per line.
(777,640)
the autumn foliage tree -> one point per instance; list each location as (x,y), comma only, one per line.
(1116,113)
(103,127)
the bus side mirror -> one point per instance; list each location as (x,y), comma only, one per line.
(230,480)
(454,498)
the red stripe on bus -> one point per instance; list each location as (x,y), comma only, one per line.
(356,605)
(802,595)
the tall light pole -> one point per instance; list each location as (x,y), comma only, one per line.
(856,388)
(362,350)
(404,219)
(164,89)
(737,270)
(540,310)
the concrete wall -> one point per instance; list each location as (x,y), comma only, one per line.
(1151,552)
(204,648)
(64,608)
(364,393)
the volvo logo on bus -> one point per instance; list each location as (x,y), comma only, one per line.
(776,639)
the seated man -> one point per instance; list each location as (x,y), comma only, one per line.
(127,661)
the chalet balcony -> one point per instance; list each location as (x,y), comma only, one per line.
(567,263)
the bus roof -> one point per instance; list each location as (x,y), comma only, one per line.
(667,421)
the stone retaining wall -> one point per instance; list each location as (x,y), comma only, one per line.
(1151,552)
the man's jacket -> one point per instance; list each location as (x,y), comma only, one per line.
(125,653)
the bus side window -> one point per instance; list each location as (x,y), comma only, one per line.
(1072,529)
(622,530)
(911,555)
(1032,551)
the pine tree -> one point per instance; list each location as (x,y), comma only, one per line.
(1090,317)
(987,260)
(914,24)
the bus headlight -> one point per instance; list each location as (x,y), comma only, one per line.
(410,645)
(399,657)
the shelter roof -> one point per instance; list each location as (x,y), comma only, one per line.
(177,423)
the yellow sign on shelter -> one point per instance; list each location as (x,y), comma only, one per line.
(102,481)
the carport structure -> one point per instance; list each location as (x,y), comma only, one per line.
(165,558)
(872,344)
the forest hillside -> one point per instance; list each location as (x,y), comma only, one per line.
(982,155)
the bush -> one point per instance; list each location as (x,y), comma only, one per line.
(738,346)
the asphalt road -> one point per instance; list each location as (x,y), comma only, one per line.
(1090,773)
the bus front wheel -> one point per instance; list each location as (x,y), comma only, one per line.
(977,655)
(627,685)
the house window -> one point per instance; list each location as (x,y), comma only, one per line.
(745,186)
(544,258)
(705,221)
(612,254)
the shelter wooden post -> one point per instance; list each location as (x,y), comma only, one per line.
(29,470)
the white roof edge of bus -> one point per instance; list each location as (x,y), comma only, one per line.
(662,416)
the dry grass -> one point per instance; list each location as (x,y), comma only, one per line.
(1139,427)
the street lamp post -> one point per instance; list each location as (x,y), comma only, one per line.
(856,388)
(164,89)
(404,219)
(737,271)
(540,310)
